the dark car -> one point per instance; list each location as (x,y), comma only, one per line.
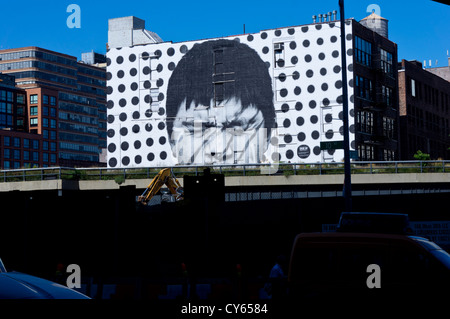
(335,266)
(16,285)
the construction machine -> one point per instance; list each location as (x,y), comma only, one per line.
(164,177)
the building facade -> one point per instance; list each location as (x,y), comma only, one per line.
(66,102)
(271,96)
(424,112)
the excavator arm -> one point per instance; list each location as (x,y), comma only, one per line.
(164,177)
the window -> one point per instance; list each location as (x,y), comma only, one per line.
(34,121)
(365,122)
(34,110)
(45,122)
(413,88)
(45,99)
(35,144)
(386,61)
(363,51)
(26,143)
(33,99)
(364,88)
(7,141)
(387,95)
(10,96)
(366,152)
(16,141)
(388,127)
(52,100)
(20,98)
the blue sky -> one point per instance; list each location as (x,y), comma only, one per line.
(419,27)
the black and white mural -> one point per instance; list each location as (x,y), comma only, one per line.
(271,96)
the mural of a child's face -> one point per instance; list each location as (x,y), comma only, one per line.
(227,134)
(236,129)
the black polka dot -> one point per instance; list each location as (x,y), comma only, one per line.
(108,61)
(293,45)
(162,140)
(329,134)
(109,90)
(163,155)
(312,104)
(282,77)
(119,59)
(121,88)
(126,160)
(350,52)
(171,66)
(286,123)
(110,104)
(108,76)
(298,106)
(134,86)
(297,90)
(135,128)
(149,114)
(148,99)
(277,33)
(112,147)
(309,73)
(150,157)
(123,131)
(291,31)
(335,54)
(124,146)
(149,142)
(349,37)
(148,127)
(123,116)
(325,101)
(161,126)
(294,60)
(288,138)
(311,88)
(314,119)
(316,150)
(145,56)
(136,115)
(300,121)
(280,63)
(137,144)
(333,39)
(112,162)
(138,159)
(284,108)
(133,71)
(183,49)
(319,41)
(321,56)
(283,92)
(315,135)
(296,75)
(289,154)
(318,26)
(324,86)
(350,67)
(304,29)
(122,102)
(250,38)
(147,84)
(328,118)
(160,97)
(306,43)
(264,35)
(337,69)
(301,136)
(111,133)
(308,58)
(132,57)
(323,71)
(111,119)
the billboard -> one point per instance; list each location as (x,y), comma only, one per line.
(271,96)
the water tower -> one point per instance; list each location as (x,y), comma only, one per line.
(376,23)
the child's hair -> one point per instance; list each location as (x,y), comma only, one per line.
(239,69)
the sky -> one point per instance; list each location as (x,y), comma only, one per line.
(421,28)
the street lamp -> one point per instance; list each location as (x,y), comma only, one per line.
(347,178)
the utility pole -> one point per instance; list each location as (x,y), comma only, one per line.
(347,172)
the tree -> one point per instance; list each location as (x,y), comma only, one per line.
(421,156)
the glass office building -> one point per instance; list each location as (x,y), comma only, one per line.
(66,102)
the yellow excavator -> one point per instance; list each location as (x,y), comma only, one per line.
(164,177)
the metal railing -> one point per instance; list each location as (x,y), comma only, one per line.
(286,169)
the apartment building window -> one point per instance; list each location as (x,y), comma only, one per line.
(387,95)
(34,110)
(389,155)
(52,101)
(363,51)
(365,122)
(413,87)
(364,88)
(33,99)
(388,127)
(34,121)
(386,61)
(366,152)
(45,99)
(20,98)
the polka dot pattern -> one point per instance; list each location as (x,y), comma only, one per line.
(306,80)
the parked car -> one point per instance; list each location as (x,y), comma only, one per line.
(16,285)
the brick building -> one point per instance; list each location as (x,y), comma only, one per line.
(424,112)
(66,102)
